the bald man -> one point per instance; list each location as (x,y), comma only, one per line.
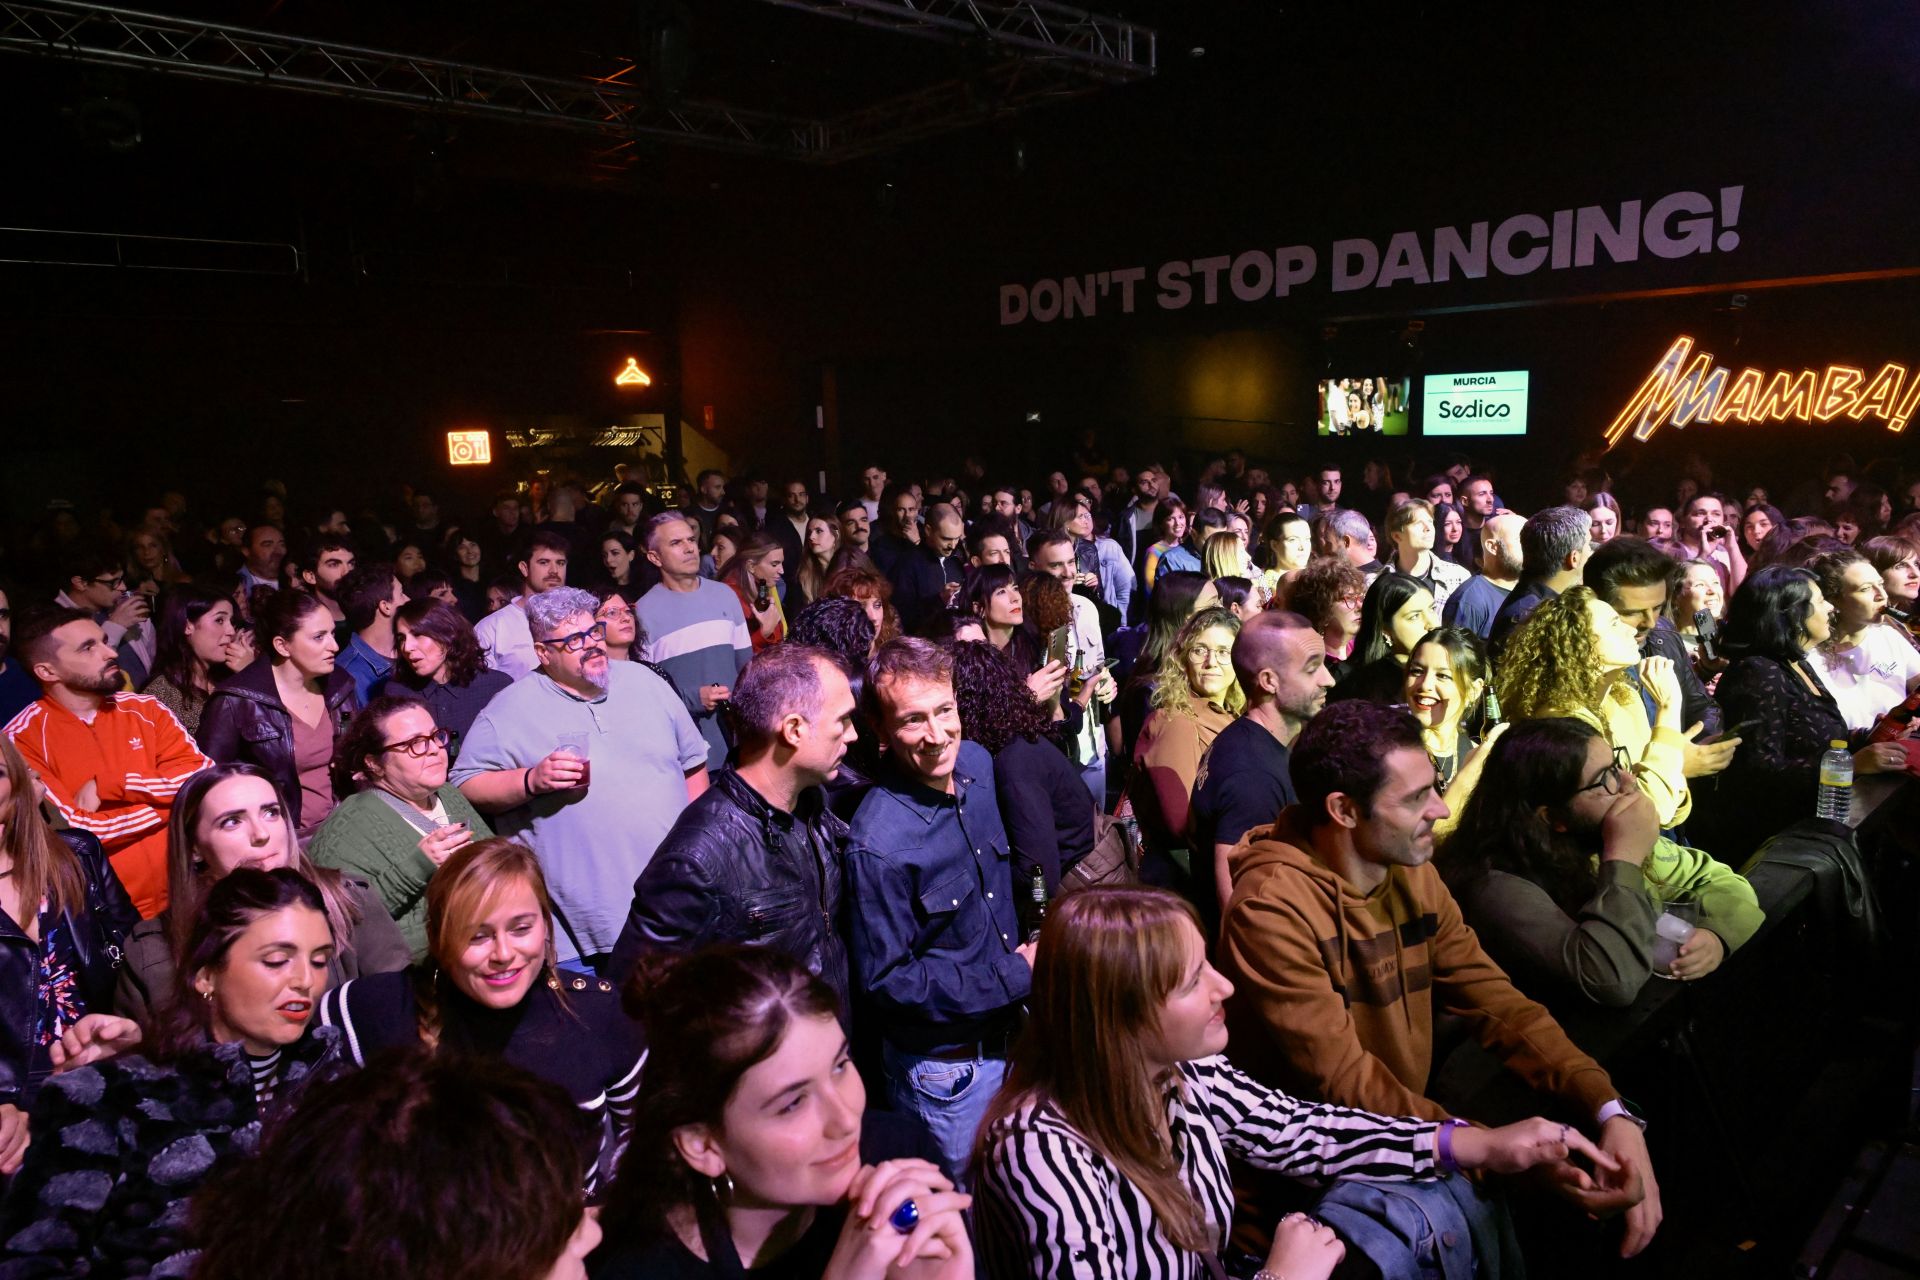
(1243,783)
(1475,605)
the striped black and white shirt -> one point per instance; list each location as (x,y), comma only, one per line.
(1052,1206)
(266,1076)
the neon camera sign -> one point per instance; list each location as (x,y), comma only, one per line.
(1686,386)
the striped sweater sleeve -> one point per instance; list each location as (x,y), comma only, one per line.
(115,823)
(1047,1208)
(174,756)
(1273,1130)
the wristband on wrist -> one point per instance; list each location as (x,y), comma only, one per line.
(1443,1145)
(526,783)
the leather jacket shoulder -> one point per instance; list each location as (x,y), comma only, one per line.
(246,722)
(735,869)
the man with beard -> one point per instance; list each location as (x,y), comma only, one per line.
(1342,944)
(694,628)
(759,858)
(112,761)
(1477,604)
(1243,783)
(530,761)
(329,560)
(505,639)
(17,687)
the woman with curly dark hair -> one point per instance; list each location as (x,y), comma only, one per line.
(1049,820)
(440,665)
(1329,593)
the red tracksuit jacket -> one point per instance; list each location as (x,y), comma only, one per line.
(137,755)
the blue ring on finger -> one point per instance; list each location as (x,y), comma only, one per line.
(905,1218)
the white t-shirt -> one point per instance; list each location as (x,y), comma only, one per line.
(506,640)
(1871,678)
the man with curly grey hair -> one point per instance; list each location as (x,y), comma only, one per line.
(588,763)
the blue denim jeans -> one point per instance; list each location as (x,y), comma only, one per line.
(950,1097)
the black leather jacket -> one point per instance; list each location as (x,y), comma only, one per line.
(736,869)
(97,930)
(245,722)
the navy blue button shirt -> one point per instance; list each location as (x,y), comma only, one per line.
(930,886)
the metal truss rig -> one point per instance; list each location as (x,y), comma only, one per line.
(1058,51)
(1096,46)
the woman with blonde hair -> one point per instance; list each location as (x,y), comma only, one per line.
(1225,556)
(491,985)
(1576,656)
(1105,1152)
(1195,696)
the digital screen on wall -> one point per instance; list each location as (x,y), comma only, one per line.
(1364,406)
(1474,404)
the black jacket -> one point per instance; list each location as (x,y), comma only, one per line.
(97,931)
(245,722)
(1696,705)
(736,869)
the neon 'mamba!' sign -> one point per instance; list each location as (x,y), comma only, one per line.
(1689,387)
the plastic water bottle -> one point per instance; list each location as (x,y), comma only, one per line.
(1836,783)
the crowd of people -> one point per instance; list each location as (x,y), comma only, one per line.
(549,891)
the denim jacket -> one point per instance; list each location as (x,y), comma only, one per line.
(933,921)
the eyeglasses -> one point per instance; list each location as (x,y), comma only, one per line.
(578,640)
(617,611)
(114,580)
(421,745)
(1356,600)
(1614,780)
(1201,653)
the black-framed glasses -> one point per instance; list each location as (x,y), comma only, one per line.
(110,580)
(421,745)
(1613,780)
(580,639)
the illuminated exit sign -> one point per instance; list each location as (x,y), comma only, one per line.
(1687,386)
(469,448)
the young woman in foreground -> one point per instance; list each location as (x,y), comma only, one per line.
(1106,1152)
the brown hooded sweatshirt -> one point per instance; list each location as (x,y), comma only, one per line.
(1335,991)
